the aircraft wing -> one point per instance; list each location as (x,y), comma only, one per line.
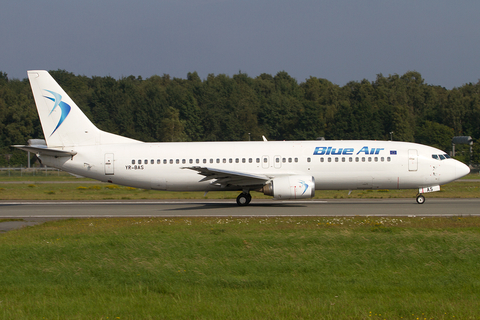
(47,151)
(226,178)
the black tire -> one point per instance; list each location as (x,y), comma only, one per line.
(244,199)
(420,199)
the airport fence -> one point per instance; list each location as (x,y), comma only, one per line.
(25,172)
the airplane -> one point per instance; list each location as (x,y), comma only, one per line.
(282,169)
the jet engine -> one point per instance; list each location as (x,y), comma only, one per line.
(290,187)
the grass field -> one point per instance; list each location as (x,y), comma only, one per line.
(264,268)
(67,187)
(250,268)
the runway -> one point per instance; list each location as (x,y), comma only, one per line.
(34,212)
(227,208)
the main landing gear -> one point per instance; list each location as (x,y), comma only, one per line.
(420,199)
(244,199)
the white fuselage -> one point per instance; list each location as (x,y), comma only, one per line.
(355,164)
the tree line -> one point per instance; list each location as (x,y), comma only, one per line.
(224,108)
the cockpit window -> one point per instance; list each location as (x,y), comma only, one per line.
(440,156)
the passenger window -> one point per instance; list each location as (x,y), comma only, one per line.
(388,159)
(308,159)
(204,160)
(258,160)
(152,161)
(218,160)
(158,161)
(184,161)
(237,160)
(350,159)
(343,159)
(197,161)
(369,159)
(133,161)
(171,161)
(296,159)
(284,160)
(139,161)
(224,160)
(382,159)
(363,159)
(250,160)
(321,160)
(211,160)
(230,160)
(277,160)
(244,160)
(190,161)
(265,160)
(289,159)
(146,161)
(329,159)
(376,159)
(357,159)
(336,159)
(177,161)
(164,161)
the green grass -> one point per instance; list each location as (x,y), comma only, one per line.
(79,190)
(36,187)
(262,268)
(471,176)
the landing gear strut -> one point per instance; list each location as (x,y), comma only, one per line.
(420,199)
(244,199)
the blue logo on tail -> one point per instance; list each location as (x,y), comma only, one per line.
(63,106)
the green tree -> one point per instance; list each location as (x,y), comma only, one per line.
(180,98)
(357,118)
(322,100)
(436,135)
(171,128)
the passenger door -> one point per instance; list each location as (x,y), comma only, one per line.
(412,160)
(109,170)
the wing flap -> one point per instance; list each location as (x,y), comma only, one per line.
(228,178)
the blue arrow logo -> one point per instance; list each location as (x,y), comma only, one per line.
(304,185)
(65,108)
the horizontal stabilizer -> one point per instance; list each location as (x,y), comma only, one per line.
(46,151)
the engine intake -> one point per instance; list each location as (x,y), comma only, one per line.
(290,187)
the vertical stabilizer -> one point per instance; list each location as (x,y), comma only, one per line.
(63,123)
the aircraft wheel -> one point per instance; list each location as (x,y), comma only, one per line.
(420,199)
(244,199)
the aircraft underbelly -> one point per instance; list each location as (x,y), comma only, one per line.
(158,183)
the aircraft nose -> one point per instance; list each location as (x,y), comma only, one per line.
(461,169)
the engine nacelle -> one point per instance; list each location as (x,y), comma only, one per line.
(290,187)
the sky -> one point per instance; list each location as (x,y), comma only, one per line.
(340,40)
